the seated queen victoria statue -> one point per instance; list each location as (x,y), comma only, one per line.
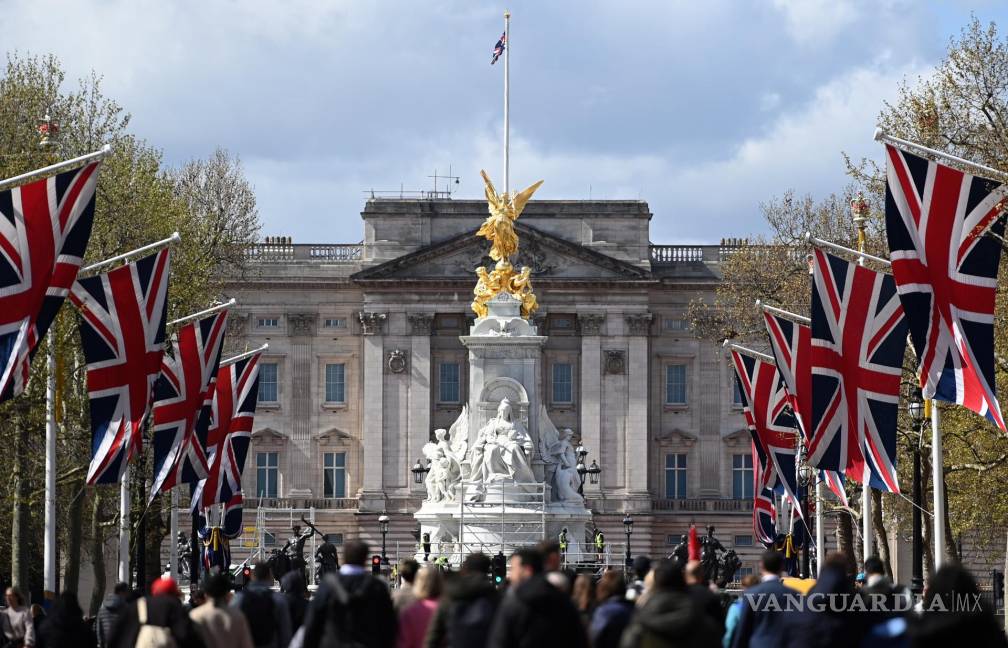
(501,452)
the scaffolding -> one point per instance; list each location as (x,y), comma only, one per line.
(272,528)
(501,516)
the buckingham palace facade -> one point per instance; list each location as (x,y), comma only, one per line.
(365,362)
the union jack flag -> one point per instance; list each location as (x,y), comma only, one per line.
(499,48)
(182,399)
(234,404)
(770,422)
(791,344)
(946,273)
(122,332)
(764,512)
(858,339)
(45,227)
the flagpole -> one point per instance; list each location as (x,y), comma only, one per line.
(53,169)
(749,352)
(247,354)
(157,245)
(820,533)
(861,255)
(938,156)
(124,528)
(859,211)
(938,484)
(507,102)
(173,545)
(801,319)
(208,311)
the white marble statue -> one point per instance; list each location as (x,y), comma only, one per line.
(559,461)
(446,460)
(501,452)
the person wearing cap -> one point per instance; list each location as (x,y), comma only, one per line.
(163,608)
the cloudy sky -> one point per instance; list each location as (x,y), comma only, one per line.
(703,109)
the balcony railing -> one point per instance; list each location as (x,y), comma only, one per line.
(671,255)
(701,505)
(338,503)
(281,250)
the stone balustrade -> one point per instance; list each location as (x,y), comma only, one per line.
(702,505)
(280,250)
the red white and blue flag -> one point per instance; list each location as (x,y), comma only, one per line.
(791,345)
(499,48)
(182,399)
(771,423)
(764,511)
(235,397)
(122,328)
(45,227)
(858,340)
(946,273)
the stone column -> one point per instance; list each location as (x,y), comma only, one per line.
(637,327)
(591,390)
(372,324)
(301,329)
(420,325)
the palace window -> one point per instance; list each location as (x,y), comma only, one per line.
(737,400)
(563,387)
(742,476)
(335,383)
(268,382)
(267,469)
(448,383)
(675,384)
(267,322)
(335,322)
(334,474)
(675,476)
(334,539)
(675,324)
(743,541)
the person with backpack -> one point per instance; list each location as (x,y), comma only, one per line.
(466,612)
(351,608)
(266,611)
(219,625)
(156,621)
(109,612)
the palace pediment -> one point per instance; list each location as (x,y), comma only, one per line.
(549,257)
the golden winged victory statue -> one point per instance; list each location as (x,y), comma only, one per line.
(499,229)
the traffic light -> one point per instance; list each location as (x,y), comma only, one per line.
(376,565)
(498,568)
(997,579)
(242,578)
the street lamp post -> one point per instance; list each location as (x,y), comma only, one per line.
(419,471)
(806,476)
(582,470)
(916,409)
(383,522)
(628,528)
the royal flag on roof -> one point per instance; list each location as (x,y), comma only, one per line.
(770,422)
(858,339)
(45,227)
(122,324)
(791,345)
(182,400)
(236,395)
(946,273)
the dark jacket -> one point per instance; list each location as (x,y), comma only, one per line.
(709,603)
(350,608)
(535,613)
(164,611)
(466,612)
(293,587)
(670,619)
(108,614)
(64,626)
(282,632)
(818,624)
(609,620)
(763,628)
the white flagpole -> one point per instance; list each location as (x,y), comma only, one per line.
(49,544)
(53,169)
(242,356)
(818,242)
(124,528)
(174,238)
(749,352)
(938,485)
(820,533)
(213,309)
(173,545)
(971,167)
(801,319)
(507,102)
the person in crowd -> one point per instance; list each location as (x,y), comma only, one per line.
(613,613)
(583,594)
(38,614)
(954,614)
(764,628)
(403,597)
(266,611)
(415,619)
(65,626)
(109,612)
(735,610)
(293,586)
(669,617)
(534,612)
(466,612)
(698,588)
(197,597)
(641,567)
(218,625)
(552,566)
(16,620)
(822,623)
(159,615)
(351,606)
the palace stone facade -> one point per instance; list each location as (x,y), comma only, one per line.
(365,362)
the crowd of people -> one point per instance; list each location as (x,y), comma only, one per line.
(666,604)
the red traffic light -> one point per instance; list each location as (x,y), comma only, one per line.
(376,564)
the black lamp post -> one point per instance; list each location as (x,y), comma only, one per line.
(806,476)
(419,471)
(916,409)
(383,522)
(582,470)
(628,528)
(593,472)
